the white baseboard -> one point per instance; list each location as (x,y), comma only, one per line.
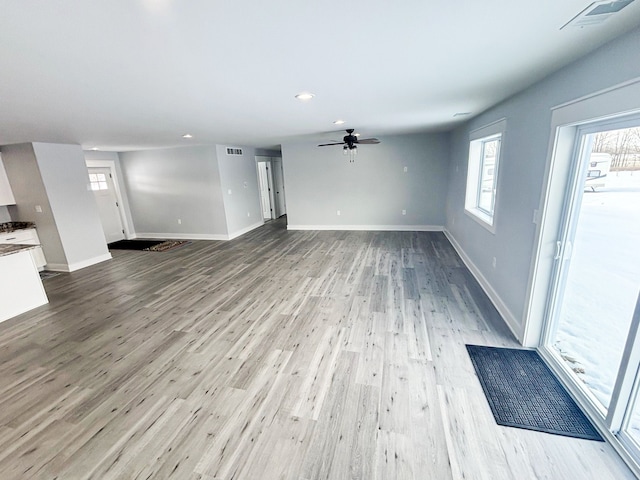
(194,236)
(509,318)
(372,228)
(179,236)
(72,267)
(244,230)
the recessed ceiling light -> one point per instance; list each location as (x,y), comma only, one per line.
(461,114)
(305,96)
(187,135)
(338,122)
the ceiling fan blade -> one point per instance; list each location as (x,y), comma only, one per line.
(370,141)
(327,144)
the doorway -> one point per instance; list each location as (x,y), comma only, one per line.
(265,182)
(272,189)
(278,187)
(102,185)
(593,312)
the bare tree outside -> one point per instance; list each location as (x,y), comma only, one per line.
(623,146)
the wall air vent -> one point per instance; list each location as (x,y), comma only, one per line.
(234,151)
(597,13)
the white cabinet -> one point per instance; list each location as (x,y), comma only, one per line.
(20,285)
(6,195)
(27,236)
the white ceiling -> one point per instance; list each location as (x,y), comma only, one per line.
(133,74)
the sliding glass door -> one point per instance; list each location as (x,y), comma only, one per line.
(592,329)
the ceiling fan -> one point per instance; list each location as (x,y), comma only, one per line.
(350,143)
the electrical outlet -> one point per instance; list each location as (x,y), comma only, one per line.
(248,214)
(405,169)
(229,191)
(494,262)
(38,209)
(179,221)
(338,213)
(404,212)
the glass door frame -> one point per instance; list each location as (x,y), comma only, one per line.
(568,225)
(627,384)
(627,389)
(613,103)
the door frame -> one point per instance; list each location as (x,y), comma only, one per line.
(611,416)
(110,164)
(610,104)
(276,162)
(618,101)
(269,171)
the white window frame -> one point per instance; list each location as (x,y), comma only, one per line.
(477,140)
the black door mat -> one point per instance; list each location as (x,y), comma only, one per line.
(147,245)
(44,274)
(133,244)
(523,392)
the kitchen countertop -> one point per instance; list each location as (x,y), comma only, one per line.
(9,248)
(13,226)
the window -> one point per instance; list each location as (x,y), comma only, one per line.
(98,181)
(482,172)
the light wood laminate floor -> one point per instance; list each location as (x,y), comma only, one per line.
(278,355)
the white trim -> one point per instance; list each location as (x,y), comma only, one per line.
(597,93)
(373,228)
(180,236)
(509,318)
(196,236)
(616,102)
(72,267)
(242,231)
(475,168)
(488,129)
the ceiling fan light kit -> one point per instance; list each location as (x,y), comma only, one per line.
(350,144)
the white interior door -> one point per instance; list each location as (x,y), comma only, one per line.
(265,194)
(278,186)
(105,194)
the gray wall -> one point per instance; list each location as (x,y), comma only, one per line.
(170,184)
(28,189)
(5,216)
(522,168)
(54,176)
(238,174)
(65,177)
(374,190)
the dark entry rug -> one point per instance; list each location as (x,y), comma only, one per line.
(523,392)
(147,245)
(44,274)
